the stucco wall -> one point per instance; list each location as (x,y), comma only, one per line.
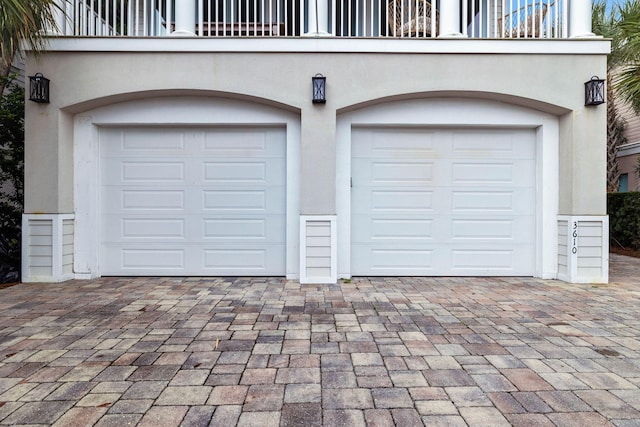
(82,80)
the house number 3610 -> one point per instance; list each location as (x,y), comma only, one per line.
(574,247)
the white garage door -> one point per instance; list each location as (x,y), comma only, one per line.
(443,202)
(192,201)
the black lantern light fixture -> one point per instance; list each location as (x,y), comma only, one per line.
(39,88)
(594,91)
(319,84)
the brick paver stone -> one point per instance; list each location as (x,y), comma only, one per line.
(137,406)
(38,412)
(347,398)
(80,417)
(299,414)
(484,416)
(227,395)
(198,416)
(264,398)
(303,393)
(378,418)
(380,351)
(184,395)
(226,415)
(259,419)
(166,416)
(351,418)
(388,398)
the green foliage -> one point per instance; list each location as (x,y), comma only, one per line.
(11,180)
(627,52)
(624,219)
(605,22)
(23,23)
(25,20)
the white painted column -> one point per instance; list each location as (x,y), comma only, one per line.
(449,18)
(318,18)
(185,18)
(580,18)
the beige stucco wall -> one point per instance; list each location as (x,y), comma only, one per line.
(84,80)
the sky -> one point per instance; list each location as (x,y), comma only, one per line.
(611,2)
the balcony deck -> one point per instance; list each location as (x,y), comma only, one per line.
(412,19)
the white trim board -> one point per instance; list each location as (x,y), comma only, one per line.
(586,46)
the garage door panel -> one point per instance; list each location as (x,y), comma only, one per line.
(235,259)
(487,260)
(142,142)
(266,229)
(217,207)
(482,173)
(495,261)
(148,228)
(406,173)
(486,201)
(149,259)
(399,172)
(132,172)
(490,144)
(121,200)
(401,229)
(176,260)
(442,227)
(389,201)
(234,200)
(390,261)
(468,209)
(497,201)
(253,201)
(513,229)
(239,172)
(441,260)
(404,144)
(262,229)
(242,143)
(391,228)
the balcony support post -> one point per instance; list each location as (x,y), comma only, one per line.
(318,18)
(580,18)
(449,19)
(185,18)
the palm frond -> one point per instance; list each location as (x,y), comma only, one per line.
(25,20)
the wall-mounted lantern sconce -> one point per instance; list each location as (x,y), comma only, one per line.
(39,88)
(594,91)
(319,84)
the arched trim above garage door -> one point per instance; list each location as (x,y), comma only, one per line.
(177,112)
(454,114)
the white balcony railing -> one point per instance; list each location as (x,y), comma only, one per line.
(341,18)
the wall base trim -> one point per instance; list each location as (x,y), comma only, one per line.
(583,248)
(47,247)
(318,249)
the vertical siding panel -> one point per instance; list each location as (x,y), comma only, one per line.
(318,249)
(47,242)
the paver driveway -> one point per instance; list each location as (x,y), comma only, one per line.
(378,351)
